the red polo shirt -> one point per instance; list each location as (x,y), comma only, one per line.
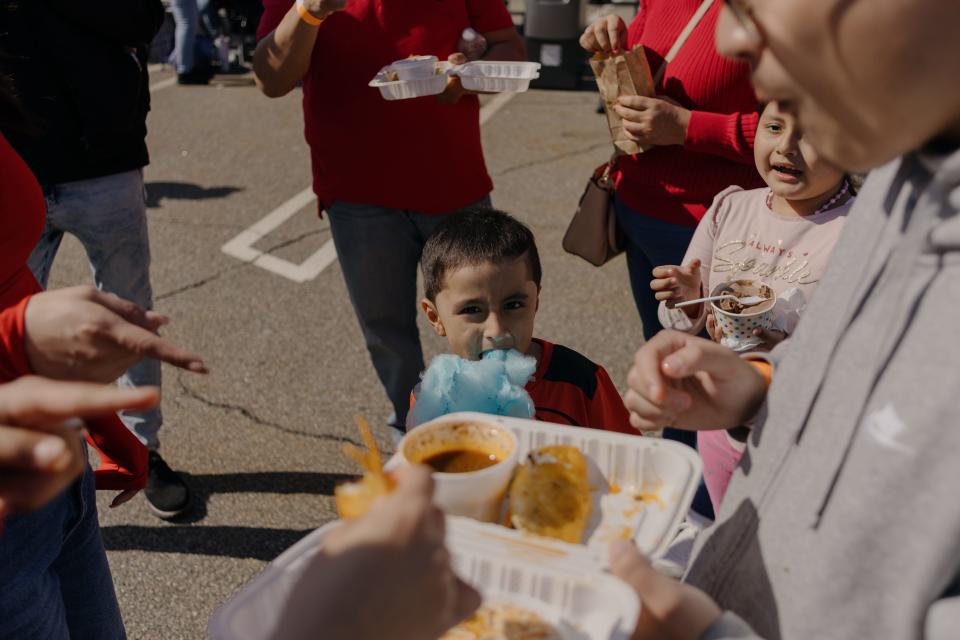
(418,154)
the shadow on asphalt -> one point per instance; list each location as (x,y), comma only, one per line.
(258,543)
(158,191)
(284,482)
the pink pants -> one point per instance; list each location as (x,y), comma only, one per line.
(720,458)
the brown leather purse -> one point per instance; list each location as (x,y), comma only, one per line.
(593,233)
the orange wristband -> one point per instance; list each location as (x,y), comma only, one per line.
(764,369)
(306,16)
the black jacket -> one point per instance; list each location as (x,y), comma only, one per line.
(79,68)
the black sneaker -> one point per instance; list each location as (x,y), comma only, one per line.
(167,494)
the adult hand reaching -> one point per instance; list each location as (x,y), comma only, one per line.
(690,383)
(385,574)
(606,35)
(653,121)
(670,610)
(40,453)
(81,333)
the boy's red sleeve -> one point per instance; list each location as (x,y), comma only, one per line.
(607,409)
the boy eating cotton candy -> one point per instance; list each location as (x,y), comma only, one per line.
(481,273)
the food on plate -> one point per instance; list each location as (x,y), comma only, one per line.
(503,622)
(353,499)
(550,494)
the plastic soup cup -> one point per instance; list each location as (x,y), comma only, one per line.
(415,68)
(476,494)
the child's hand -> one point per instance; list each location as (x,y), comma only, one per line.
(675,284)
(713,329)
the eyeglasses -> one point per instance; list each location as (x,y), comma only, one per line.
(743,12)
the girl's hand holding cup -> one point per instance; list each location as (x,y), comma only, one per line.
(675,284)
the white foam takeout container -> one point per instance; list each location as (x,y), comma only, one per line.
(568,583)
(488,77)
(592,606)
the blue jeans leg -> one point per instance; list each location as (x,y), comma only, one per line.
(379,251)
(186,18)
(650,243)
(55,580)
(109,217)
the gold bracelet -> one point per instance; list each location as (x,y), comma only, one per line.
(306,16)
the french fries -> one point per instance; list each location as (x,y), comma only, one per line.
(353,499)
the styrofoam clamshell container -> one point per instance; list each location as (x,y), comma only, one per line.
(407,89)
(621,467)
(582,606)
(565,583)
(497,77)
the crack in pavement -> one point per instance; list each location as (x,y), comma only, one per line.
(257,420)
(549,159)
(287,243)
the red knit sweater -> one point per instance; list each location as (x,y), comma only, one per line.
(677,183)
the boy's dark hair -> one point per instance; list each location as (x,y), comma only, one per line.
(472,237)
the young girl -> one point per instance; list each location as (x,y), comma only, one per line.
(781,235)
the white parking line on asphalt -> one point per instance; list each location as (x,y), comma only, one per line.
(159,85)
(241,246)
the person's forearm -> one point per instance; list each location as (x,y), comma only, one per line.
(513,50)
(282,58)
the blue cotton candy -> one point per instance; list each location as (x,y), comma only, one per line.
(494,384)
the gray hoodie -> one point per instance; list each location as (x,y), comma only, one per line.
(843,520)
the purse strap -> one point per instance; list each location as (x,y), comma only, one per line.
(682,39)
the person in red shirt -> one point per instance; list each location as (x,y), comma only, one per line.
(481,272)
(385,172)
(700,126)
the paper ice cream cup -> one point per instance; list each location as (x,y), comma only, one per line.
(415,67)
(474,494)
(740,326)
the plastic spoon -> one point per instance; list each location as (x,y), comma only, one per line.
(747,301)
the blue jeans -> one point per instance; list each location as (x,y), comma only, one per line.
(379,251)
(109,217)
(186,17)
(650,243)
(55,582)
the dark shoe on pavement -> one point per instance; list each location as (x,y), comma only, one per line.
(167,494)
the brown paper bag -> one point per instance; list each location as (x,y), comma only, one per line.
(627,74)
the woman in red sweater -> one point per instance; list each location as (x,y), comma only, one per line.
(701,127)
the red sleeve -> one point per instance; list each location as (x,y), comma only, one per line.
(273,12)
(123,459)
(488,15)
(607,410)
(13,354)
(726,135)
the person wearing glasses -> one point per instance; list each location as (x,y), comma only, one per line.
(842,520)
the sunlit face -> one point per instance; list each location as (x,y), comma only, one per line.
(486,306)
(868,80)
(787,162)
